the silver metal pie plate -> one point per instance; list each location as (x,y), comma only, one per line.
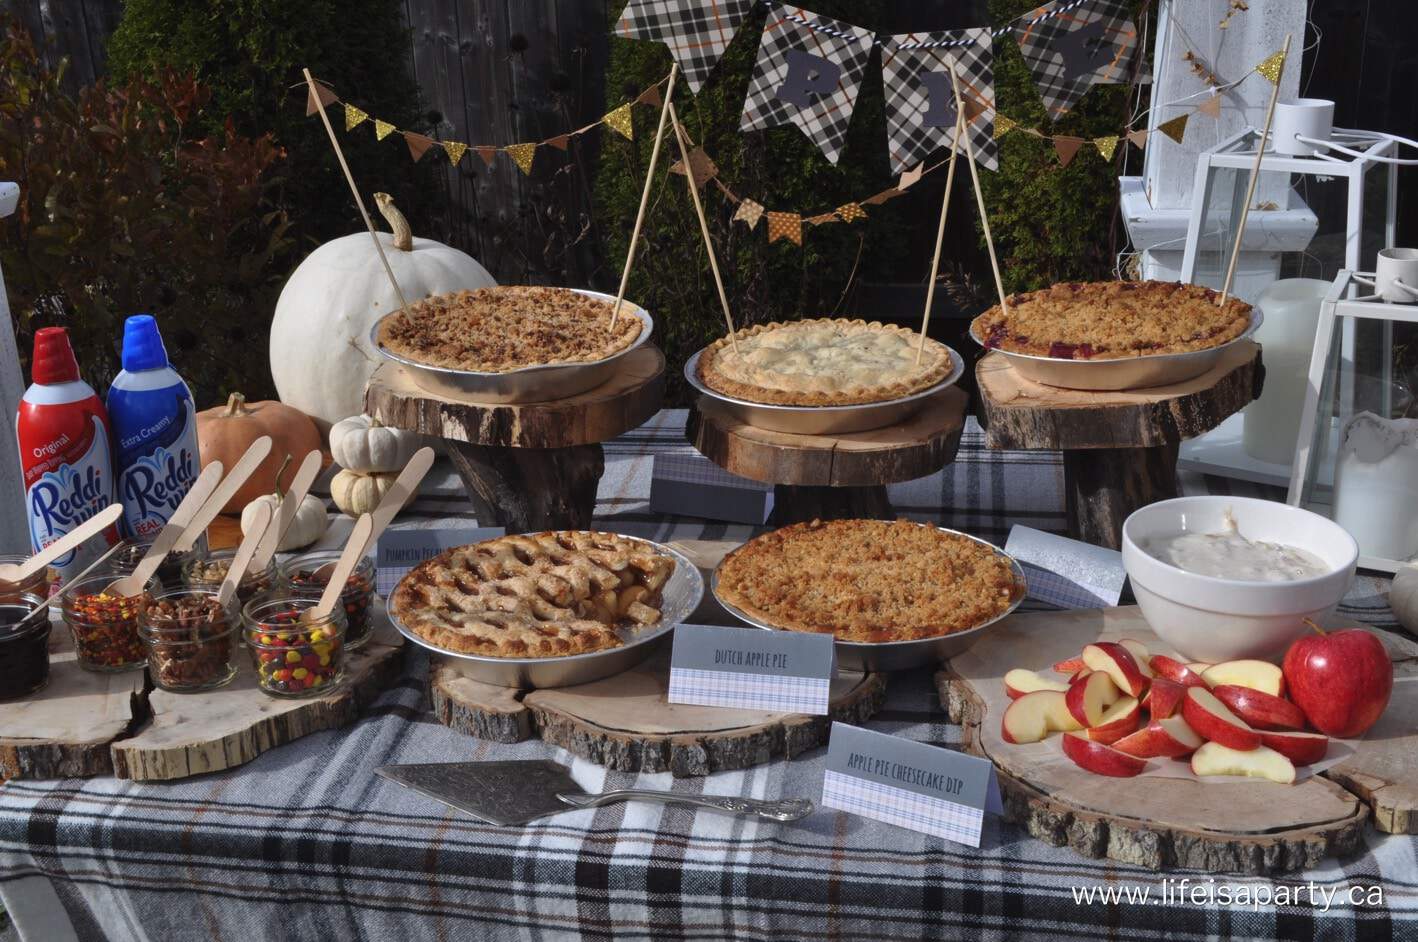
(1160,369)
(679,598)
(823,420)
(900,655)
(529,384)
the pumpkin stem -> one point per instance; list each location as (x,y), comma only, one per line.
(235,405)
(403,234)
(1311,623)
(374,422)
(280,493)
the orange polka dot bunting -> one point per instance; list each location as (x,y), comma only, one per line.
(749,211)
(851,212)
(785,226)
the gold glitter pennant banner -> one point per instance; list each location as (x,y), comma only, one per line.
(522,155)
(1175,128)
(785,226)
(354,117)
(382,129)
(455,151)
(1273,67)
(619,119)
(1003,125)
(749,211)
(1107,145)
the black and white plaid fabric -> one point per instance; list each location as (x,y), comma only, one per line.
(697,31)
(909,139)
(824,118)
(1071,46)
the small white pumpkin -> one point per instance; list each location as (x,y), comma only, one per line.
(1403,596)
(355,493)
(310,522)
(363,443)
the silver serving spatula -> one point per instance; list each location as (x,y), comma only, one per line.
(520,791)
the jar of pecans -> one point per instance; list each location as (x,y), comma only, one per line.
(24,645)
(37,584)
(131,552)
(105,626)
(189,637)
(209,573)
(303,577)
(294,657)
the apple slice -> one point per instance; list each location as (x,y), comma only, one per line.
(1019,681)
(1120,719)
(1215,759)
(1118,663)
(1259,709)
(1213,720)
(1081,673)
(1258,675)
(1173,669)
(1101,759)
(1171,738)
(1035,715)
(1088,698)
(1198,667)
(1071,666)
(1140,654)
(1163,698)
(1299,748)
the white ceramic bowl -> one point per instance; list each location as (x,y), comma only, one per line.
(1214,620)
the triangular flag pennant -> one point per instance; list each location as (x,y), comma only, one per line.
(785,226)
(910,177)
(1273,67)
(1210,106)
(382,129)
(876,199)
(455,151)
(749,211)
(1004,125)
(522,155)
(354,117)
(620,120)
(1138,138)
(1066,148)
(488,154)
(1176,128)
(1106,145)
(560,141)
(1071,46)
(318,95)
(920,96)
(651,96)
(704,167)
(851,212)
(696,33)
(418,144)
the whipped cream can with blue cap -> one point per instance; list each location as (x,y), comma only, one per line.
(154,432)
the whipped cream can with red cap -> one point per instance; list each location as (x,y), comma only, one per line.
(65,456)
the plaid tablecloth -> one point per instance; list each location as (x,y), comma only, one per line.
(307,843)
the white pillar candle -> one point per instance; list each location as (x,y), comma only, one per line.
(1271,424)
(1376,485)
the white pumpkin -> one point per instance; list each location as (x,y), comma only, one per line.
(309,524)
(1403,596)
(363,443)
(355,493)
(321,357)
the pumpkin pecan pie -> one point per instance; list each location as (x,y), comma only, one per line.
(1112,320)
(823,362)
(868,580)
(509,327)
(533,595)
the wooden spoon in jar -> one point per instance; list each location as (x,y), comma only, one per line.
(353,553)
(243,469)
(404,487)
(241,561)
(12,572)
(197,496)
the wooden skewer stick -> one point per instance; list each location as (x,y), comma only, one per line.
(940,232)
(359,200)
(979,196)
(703,224)
(1255,174)
(645,194)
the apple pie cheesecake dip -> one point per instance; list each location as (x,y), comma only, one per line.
(1229,555)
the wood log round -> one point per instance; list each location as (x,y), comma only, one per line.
(921,445)
(799,503)
(625,401)
(1102,486)
(525,490)
(626,723)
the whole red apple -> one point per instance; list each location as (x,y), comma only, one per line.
(1340,679)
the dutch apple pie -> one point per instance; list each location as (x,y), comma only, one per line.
(510,327)
(534,595)
(822,362)
(868,580)
(1112,319)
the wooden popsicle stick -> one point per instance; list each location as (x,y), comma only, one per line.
(645,194)
(105,518)
(359,200)
(197,496)
(243,469)
(349,558)
(1255,174)
(980,197)
(404,487)
(305,476)
(75,580)
(940,232)
(703,224)
(241,561)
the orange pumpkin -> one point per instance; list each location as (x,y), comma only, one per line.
(225,432)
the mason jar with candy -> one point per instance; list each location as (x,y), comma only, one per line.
(295,653)
(210,572)
(105,627)
(308,574)
(190,637)
(131,552)
(24,645)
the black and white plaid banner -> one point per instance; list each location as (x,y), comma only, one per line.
(920,102)
(697,31)
(1070,50)
(808,72)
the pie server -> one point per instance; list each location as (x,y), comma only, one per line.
(518,792)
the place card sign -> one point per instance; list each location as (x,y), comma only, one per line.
(909,784)
(751,669)
(398,551)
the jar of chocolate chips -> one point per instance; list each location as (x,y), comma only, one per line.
(24,645)
(190,638)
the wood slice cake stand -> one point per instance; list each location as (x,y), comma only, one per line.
(1119,448)
(1229,826)
(527,466)
(831,477)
